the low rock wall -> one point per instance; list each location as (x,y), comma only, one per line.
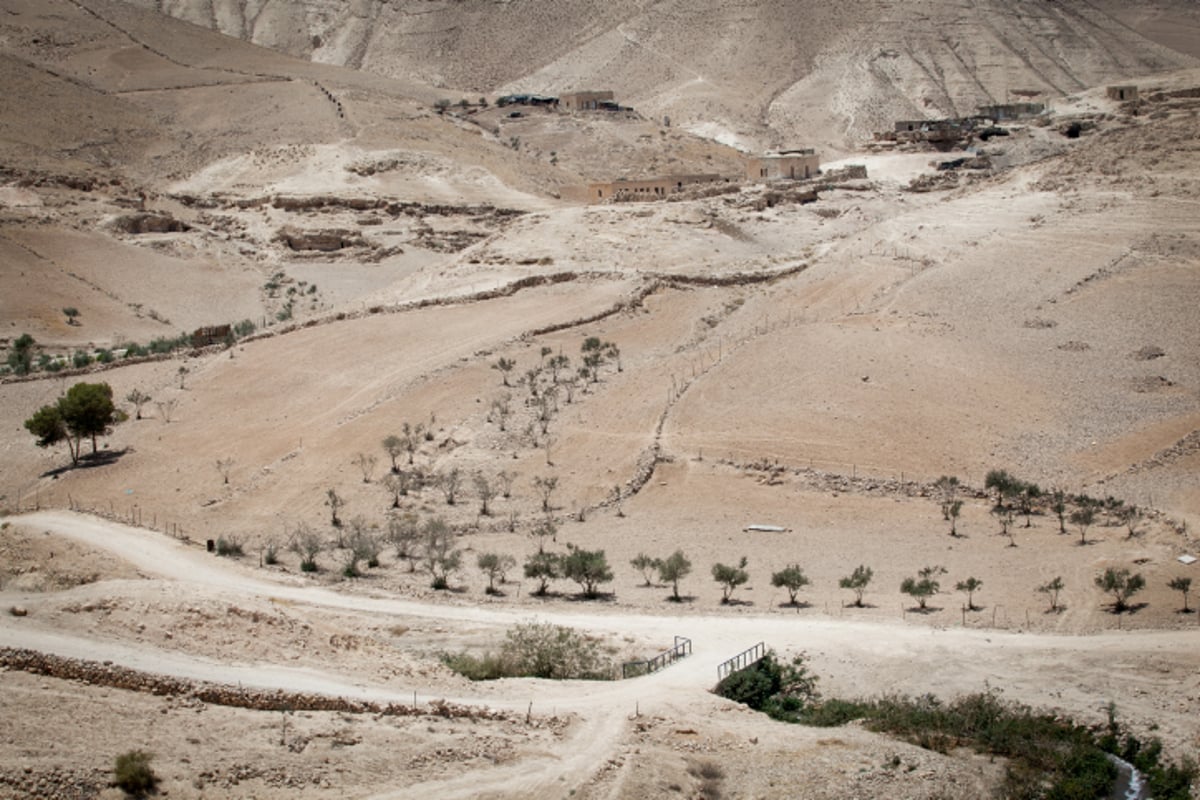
(106,674)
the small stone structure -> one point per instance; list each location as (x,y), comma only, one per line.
(1007,111)
(210,335)
(646,189)
(783,165)
(526,99)
(587,101)
(1122,94)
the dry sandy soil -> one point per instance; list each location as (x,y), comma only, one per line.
(814,366)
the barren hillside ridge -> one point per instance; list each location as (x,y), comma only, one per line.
(752,75)
(341,296)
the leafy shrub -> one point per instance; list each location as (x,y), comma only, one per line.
(271,554)
(781,690)
(133,772)
(1048,756)
(538,650)
(230,547)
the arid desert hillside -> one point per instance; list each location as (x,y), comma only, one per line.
(366,336)
(753,75)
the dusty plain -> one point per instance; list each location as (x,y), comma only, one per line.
(813,366)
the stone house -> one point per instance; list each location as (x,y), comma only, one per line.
(782,165)
(1122,93)
(646,189)
(586,101)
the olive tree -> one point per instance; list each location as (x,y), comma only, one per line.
(588,568)
(404,534)
(1052,589)
(307,544)
(495,565)
(1121,584)
(672,570)
(730,577)
(970,586)
(485,490)
(647,566)
(393,445)
(857,582)
(441,558)
(924,585)
(138,398)
(1082,518)
(543,567)
(1184,586)
(791,578)
(546,486)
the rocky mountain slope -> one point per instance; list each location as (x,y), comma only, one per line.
(755,74)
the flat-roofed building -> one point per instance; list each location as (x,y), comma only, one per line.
(783,165)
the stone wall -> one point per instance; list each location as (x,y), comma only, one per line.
(106,674)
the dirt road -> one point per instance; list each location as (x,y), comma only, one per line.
(1152,676)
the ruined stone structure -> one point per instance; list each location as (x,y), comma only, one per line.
(1122,93)
(782,165)
(585,101)
(647,189)
(212,334)
(1007,111)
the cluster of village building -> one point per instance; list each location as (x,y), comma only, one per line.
(795,164)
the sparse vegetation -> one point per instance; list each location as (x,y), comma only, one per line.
(672,570)
(366,465)
(647,566)
(857,582)
(970,586)
(308,545)
(441,558)
(450,481)
(20,355)
(791,578)
(230,547)
(730,578)
(543,567)
(1082,518)
(334,502)
(923,586)
(588,568)
(1051,589)
(546,487)
(404,534)
(133,774)
(504,366)
(1183,586)
(1121,584)
(86,411)
(495,566)
(138,398)
(538,650)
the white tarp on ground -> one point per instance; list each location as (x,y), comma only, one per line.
(1187,559)
(767,528)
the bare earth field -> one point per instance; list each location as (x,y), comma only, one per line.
(814,366)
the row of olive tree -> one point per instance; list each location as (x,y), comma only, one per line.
(430,544)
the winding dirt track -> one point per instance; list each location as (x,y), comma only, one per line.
(1079,674)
